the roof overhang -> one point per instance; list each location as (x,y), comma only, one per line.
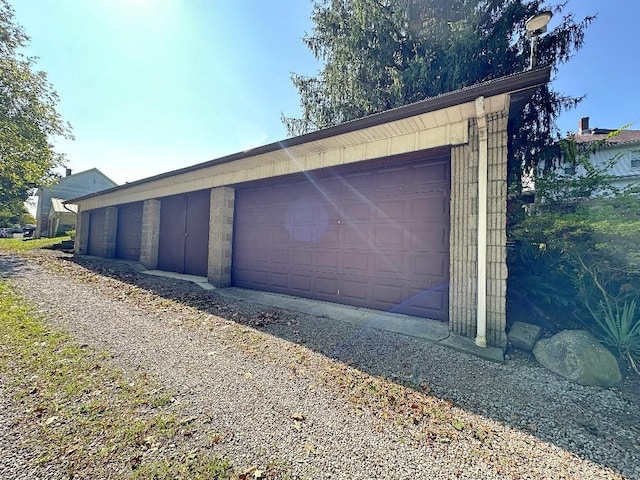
(430,123)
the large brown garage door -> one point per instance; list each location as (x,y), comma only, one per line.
(96,232)
(376,238)
(184,233)
(129,231)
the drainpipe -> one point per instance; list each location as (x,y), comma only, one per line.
(481,335)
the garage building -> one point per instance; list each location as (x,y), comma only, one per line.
(402,211)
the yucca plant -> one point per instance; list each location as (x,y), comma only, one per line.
(620,329)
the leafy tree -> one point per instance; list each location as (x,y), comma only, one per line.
(381,54)
(15,214)
(28,119)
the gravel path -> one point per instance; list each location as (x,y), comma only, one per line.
(248,370)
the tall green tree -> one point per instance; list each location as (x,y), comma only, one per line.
(381,54)
(29,120)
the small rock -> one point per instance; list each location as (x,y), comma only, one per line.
(524,336)
(577,356)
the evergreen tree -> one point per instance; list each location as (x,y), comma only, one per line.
(382,54)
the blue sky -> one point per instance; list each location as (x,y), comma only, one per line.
(155,85)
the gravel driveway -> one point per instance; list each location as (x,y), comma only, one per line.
(249,369)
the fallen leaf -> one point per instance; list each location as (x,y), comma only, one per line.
(50,420)
(297,416)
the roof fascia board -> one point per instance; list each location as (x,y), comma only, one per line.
(524,81)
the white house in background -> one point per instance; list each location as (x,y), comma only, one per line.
(52,216)
(625,147)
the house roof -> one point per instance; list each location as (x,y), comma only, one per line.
(598,134)
(58,206)
(520,86)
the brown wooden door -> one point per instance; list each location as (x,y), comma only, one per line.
(184,233)
(376,238)
(129,231)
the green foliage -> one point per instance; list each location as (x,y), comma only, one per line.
(17,245)
(620,329)
(28,118)
(577,253)
(379,55)
(14,213)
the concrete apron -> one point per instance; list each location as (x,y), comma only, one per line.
(430,331)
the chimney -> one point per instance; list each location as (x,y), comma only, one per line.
(67,172)
(583,126)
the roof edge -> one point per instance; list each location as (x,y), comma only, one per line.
(512,83)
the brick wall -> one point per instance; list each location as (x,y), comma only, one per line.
(150,237)
(109,232)
(221,236)
(464,231)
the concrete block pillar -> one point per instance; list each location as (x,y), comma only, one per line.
(221,236)
(110,231)
(150,239)
(81,244)
(463,268)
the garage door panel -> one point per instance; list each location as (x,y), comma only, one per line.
(96,232)
(373,238)
(302,284)
(356,235)
(429,266)
(357,211)
(431,174)
(253,277)
(387,293)
(301,258)
(389,263)
(355,291)
(329,237)
(129,231)
(390,235)
(432,236)
(357,262)
(432,207)
(197,233)
(328,260)
(184,233)
(428,302)
(393,180)
(279,257)
(326,285)
(279,280)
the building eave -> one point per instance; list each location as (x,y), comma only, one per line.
(519,86)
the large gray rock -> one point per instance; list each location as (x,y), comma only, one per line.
(524,335)
(578,356)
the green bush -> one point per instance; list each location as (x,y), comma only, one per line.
(576,254)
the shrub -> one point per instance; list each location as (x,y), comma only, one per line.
(576,254)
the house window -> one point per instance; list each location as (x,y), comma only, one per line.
(569,170)
(635,159)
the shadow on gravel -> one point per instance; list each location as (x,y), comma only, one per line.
(10,265)
(600,425)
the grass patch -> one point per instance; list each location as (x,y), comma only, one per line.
(87,416)
(17,245)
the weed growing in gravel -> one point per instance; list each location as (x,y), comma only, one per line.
(88,416)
